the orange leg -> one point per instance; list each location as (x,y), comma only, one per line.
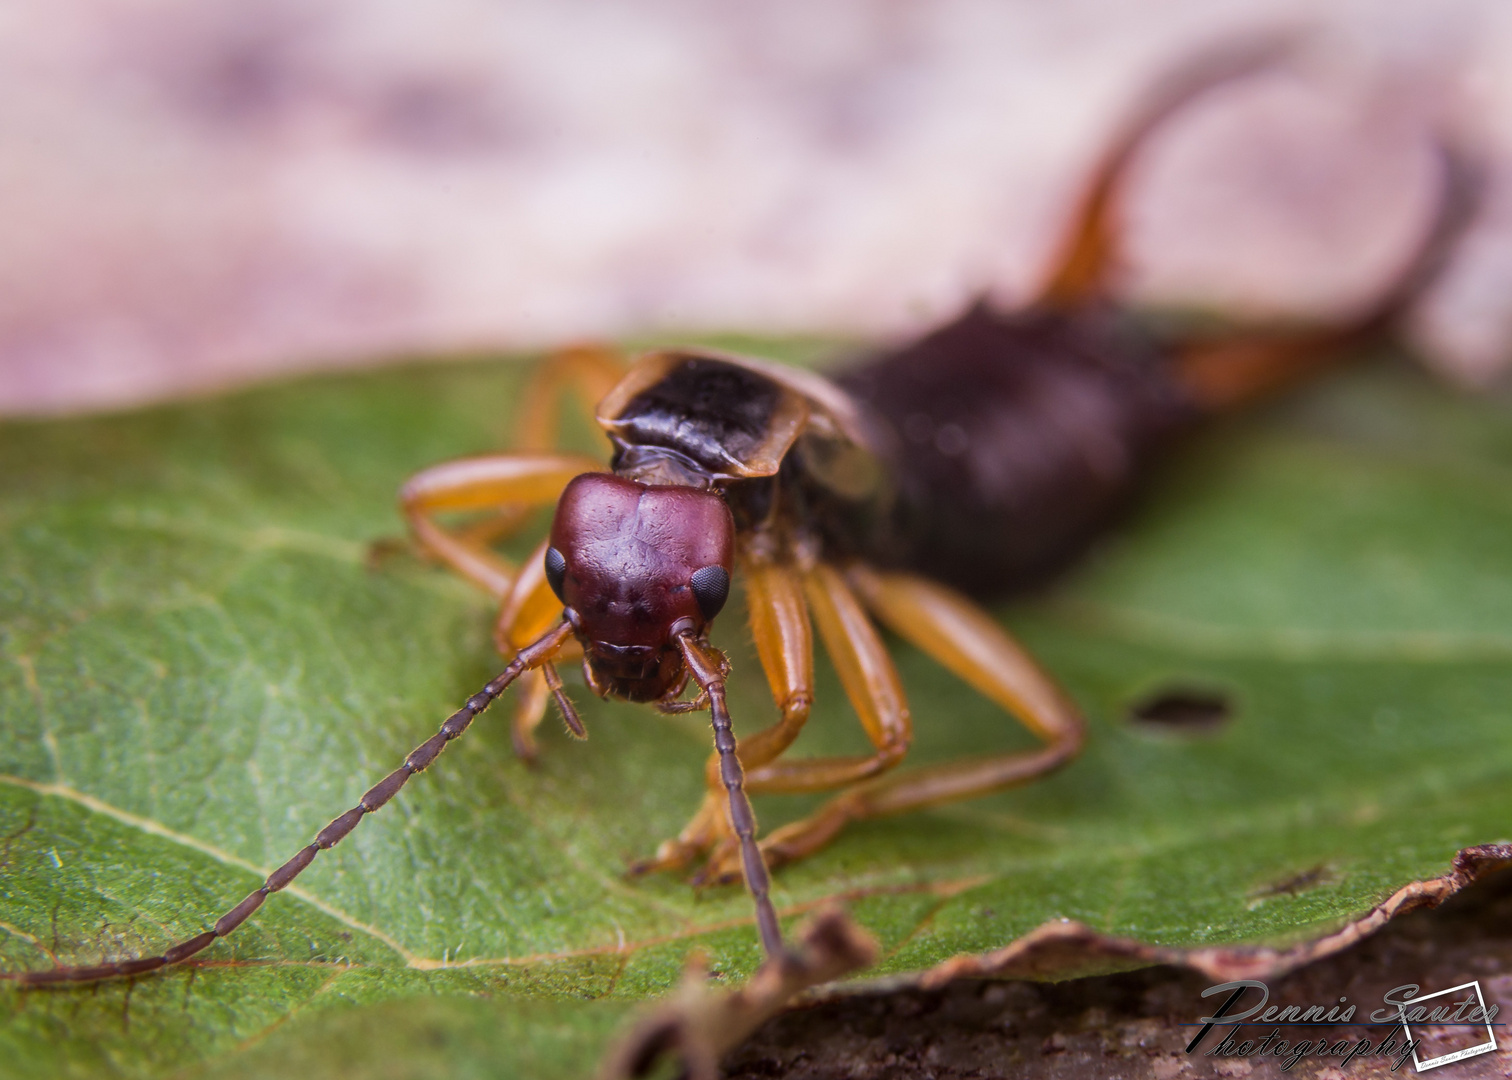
(488,482)
(966,641)
(779,621)
(780,626)
(872,685)
(589,372)
(509,485)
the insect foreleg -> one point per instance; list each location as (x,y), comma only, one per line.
(589,370)
(482,483)
(871,683)
(970,644)
(534,655)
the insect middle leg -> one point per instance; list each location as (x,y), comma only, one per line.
(872,685)
(779,620)
(969,643)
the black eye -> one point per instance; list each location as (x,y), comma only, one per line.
(556,566)
(711,588)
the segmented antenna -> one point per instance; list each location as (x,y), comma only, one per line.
(535,654)
(710,678)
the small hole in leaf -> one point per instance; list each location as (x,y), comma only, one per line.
(1183,709)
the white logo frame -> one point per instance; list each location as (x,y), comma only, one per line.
(1458,1055)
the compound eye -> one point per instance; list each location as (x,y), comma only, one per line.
(711,588)
(556,567)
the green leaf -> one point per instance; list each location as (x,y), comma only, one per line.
(200,668)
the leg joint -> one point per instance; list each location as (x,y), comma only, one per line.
(893,751)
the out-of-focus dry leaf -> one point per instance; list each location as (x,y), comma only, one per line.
(196,195)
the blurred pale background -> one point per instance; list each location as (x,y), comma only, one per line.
(200,194)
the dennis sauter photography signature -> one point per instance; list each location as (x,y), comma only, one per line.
(1462,1008)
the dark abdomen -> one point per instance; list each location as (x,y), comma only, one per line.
(1015,440)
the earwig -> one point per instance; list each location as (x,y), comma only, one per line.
(977,460)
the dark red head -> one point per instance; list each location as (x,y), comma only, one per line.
(635,564)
